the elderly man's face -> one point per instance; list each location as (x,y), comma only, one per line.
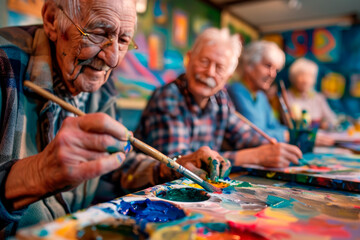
(263,73)
(208,70)
(86,66)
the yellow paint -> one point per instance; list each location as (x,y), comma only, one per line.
(215,184)
(68,230)
(278,217)
(175,232)
(270,174)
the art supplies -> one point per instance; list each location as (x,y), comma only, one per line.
(243,211)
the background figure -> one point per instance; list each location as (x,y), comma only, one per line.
(302,95)
(258,67)
(195,111)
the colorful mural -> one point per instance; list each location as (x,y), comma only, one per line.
(242,211)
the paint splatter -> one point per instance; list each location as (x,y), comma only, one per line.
(184,195)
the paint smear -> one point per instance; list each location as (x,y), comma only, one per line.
(108,231)
(184,195)
(150,211)
(215,184)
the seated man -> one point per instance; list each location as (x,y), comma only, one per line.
(50,161)
(194,110)
(258,67)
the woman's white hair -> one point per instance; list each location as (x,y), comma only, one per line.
(214,35)
(255,52)
(302,65)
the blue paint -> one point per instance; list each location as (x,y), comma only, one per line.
(106,210)
(145,211)
(43,233)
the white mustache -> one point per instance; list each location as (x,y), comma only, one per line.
(96,64)
(210,81)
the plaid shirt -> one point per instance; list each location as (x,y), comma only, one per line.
(174,123)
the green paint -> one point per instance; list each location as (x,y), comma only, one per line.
(300,178)
(278,202)
(244,184)
(112,149)
(184,195)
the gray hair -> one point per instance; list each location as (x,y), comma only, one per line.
(302,65)
(214,35)
(71,7)
(256,51)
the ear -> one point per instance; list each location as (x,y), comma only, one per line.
(50,22)
(187,58)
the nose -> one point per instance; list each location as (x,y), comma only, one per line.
(110,53)
(273,72)
(211,69)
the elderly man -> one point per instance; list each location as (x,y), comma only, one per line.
(258,67)
(50,161)
(194,110)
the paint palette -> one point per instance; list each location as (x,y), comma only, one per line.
(242,211)
(325,170)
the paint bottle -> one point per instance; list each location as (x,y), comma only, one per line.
(305,120)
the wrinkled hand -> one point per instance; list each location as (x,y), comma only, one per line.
(323,140)
(80,151)
(277,155)
(206,160)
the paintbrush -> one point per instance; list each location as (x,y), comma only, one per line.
(135,142)
(286,113)
(253,126)
(285,96)
(271,140)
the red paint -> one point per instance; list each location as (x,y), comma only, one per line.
(322,168)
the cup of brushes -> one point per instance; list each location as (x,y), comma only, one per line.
(303,134)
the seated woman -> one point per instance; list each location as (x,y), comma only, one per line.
(302,95)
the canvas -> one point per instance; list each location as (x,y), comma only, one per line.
(182,210)
(326,170)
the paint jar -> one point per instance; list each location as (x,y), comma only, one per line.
(303,138)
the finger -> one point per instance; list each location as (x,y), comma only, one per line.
(94,142)
(198,171)
(292,149)
(225,168)
(214,169)
(289,156)
(103,123)
(91,169)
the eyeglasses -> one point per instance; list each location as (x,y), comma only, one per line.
(96,38)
